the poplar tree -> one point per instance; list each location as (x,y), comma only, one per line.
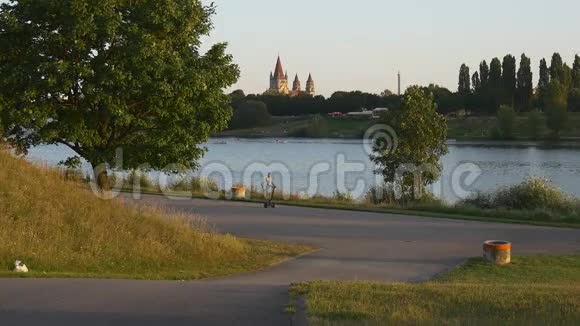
(495,85)
(557,68)
(484,74)
(525,87)
(509,79)
(464,80)
(476,83)
(543,83)
(576,72)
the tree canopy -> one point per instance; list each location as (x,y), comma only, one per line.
(98,76)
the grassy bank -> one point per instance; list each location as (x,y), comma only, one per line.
(59,229)
(550,206)
(538,290)
(467,128)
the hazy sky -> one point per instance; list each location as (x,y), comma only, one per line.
(360,45)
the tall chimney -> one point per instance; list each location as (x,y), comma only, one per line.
(399,82)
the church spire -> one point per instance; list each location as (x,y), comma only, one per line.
(310,86)
(279,71)
(297,86)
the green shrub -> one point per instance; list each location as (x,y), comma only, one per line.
(534,194)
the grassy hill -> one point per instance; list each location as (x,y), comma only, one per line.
(59,229)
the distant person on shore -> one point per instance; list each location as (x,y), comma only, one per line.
(269,191)
(269,182)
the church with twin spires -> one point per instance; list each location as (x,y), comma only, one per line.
(279,83)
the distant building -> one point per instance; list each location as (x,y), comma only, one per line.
(361,115)
(367,114)
(380,111)
(336,115)
(279,83)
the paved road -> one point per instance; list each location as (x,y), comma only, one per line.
(354,246)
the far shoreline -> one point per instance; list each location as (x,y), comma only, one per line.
(560,143)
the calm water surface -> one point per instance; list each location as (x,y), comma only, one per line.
(500,163)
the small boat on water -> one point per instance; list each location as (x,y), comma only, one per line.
(221,142)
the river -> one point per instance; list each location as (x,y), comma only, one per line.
(324,166)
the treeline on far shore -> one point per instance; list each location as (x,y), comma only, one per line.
(501,82)
(502,89)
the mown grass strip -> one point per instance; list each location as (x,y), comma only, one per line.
(539,289)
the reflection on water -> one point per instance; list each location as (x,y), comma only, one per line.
(500,163)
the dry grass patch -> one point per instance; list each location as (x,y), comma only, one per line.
(61,230)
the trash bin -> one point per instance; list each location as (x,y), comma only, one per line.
(497,252)
(239,193)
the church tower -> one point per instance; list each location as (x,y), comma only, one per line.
(279,80)
(296,87)
(310,90)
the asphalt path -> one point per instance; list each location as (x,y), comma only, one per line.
(353,246)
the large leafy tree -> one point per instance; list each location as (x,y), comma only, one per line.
(525,87)
(98,76)
(422,134)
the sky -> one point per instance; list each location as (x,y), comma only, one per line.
(360,45)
